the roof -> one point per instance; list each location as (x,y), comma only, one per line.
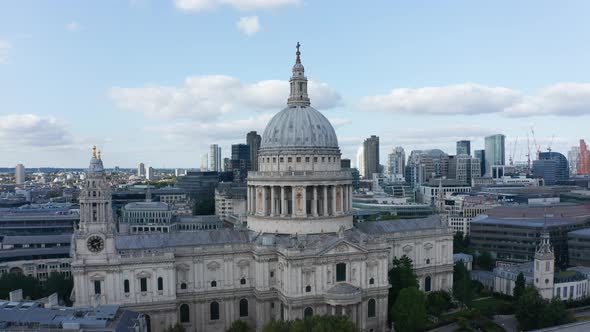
(536,223)
(11,253)
(343,289)
(462,257)
(400,225)
(562,210)
(181,239)
(37,239)
(583,232)
(147,206)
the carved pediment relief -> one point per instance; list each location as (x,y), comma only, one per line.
(212,266)
(96,277)
(342,248)
(407,248)
(183,267)
(244,263)
(143,274)
(428,246)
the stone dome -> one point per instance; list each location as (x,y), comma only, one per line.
(299,127)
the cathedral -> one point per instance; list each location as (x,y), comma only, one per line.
(301,254)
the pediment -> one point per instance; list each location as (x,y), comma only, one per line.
(213,266)
(342,247)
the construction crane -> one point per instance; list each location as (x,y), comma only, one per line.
(511,156)
(528,154)
(550,144)
(538,147)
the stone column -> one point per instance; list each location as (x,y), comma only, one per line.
(248,200)
(314,202)
(264,205)
(344,199)
(325,201)
(342,188)
(293,201)
(333,200)
(283,202)
(273,205)
(350,197)
(304,199)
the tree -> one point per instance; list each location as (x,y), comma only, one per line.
(438,302)
(463,289)
(60,284)
(485,261)
(312,324)
(401,276)
(530,309)
(176,328)
(519,287)
(13,281)
(409,310)
(239,326)
(460,243)
(278,326)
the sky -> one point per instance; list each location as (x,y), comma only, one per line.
(158,81)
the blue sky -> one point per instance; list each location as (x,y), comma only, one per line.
(158,81)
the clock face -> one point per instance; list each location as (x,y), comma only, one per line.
(95,243)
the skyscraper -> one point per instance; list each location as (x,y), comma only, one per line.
(360,159)
(573,157)
(495,152)
(204,163)
(584,161)
(253,142)
(371,156)
(481,155)
(463,147)
(141,169)
(19,174)
(215,158)
(552,167)
(150,174)
(396,161)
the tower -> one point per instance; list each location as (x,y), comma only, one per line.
(544,267)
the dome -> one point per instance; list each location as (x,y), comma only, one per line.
(95,165)
(299,127)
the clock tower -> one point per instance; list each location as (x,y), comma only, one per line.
(95,234)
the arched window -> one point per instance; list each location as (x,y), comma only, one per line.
(371,281)
(243,281)
(243,308)
(308,289)
(183,285)
(214,311)
(308,312)
(427,284)
(185,315)
(160,284)
(213,283)
(371,308)
(341,272)
(126,286)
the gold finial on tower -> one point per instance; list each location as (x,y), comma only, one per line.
(99,155)
(94,151)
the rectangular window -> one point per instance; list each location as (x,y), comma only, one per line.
(315,159)
(289,159)
(571,291)
(306,159)
(341,272)
(97,289)
(281,159)
(547,265)
(298,159)
(143,284)
(274,159)
(323,159)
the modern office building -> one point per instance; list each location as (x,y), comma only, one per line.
(584,161)
(578,242)
(179,172)
(573,158)
(464,147)
(230,199)
(464,168)
(553,167)
(360,160)
(253,141)
(495,152)
(371,156)
(204,163)
(19,174)
(150,174)
(200,186)
(396,161)
(215,164)
(481,155)
(141,170)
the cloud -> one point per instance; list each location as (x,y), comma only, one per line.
(207,97)
(560,99)
(468,99)
(244,5)
(29,130)
(249,25)
(73,26)
(4,51)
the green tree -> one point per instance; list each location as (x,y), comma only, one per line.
(14,281)
(555,313)
(278,326)
(401,276)
(519,286)
(239,326)
(312,324)
(463,289)
(176,328)
(60,284)
(460,243)
(530,309)
(409,310)
(438,302)
(485,261)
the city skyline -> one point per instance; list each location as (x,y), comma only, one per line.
(142,96)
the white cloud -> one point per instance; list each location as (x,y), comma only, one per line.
(207,97)
(19,130)
(4,51)
(565,99)
(248,25)
(467,99)
(73,26)
(199,5)
(560,99)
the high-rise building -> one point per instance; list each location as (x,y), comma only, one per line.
(150,174)
(240,152)
(495,152)
(584,161)
(464,147)
(19,174)
(481,155)
(360,159)
(573,158)
(552,167)
(464,168)
(204,163)
(371,156)
(396,161)
(253,142)
(215,158)
(179,172)
(141,169)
